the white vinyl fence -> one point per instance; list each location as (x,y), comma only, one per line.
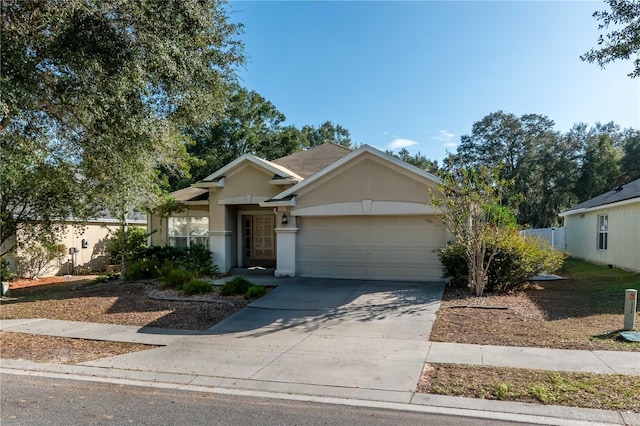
(554,236)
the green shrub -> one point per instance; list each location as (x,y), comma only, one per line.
(177,278)
(197,259)
(254,292)
(142,269)
(237,285)
(454,265)
(82,270)
(517,260)
(520,258)
(135,243)
(197,287)
(39,257)
(5,270)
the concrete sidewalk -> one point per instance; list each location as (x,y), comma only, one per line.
(600,362)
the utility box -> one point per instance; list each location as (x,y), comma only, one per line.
(630,306)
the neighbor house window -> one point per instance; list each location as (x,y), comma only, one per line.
(188,231)
(603,231)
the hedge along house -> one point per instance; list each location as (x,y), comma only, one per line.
(606,228)
(327,212)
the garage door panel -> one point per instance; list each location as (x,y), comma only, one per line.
(370,247)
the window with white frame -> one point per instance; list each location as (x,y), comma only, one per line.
(188,231)
(603,231)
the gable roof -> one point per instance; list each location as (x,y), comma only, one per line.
(311,161)
(276,169)
(625,192)
(345,159)
(190,194)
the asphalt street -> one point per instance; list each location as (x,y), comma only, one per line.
(45,401)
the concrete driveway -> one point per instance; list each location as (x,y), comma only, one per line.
(346,333)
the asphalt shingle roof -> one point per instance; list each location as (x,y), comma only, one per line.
(621,193)
(190,194)
(311,161)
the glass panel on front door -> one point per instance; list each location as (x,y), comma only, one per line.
(247,237)
(263,237)
(258,236)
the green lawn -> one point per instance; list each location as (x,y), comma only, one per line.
(598,286)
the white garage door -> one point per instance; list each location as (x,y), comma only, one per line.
(370,247)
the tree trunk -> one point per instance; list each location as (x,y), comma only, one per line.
(123,263)
(477,275)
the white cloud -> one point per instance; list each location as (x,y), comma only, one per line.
(400,143)
(444,136)
(449,145)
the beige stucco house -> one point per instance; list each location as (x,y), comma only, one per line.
(88,239)
(606,229)
(326,212)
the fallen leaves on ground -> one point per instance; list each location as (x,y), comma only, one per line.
(61,350)
(113,302)
(543,316)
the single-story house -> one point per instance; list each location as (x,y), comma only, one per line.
(606,229)
(87,241)
(328,212)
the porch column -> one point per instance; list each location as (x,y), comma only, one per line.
(220,246)
(286,243)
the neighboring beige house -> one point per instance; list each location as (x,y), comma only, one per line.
(325,212)
(88,242)
(606,229)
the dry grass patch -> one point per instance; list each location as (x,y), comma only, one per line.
(61,350)
(602,391)
(585,311)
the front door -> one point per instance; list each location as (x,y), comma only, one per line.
(259,240)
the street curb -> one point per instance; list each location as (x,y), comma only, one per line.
(393,400)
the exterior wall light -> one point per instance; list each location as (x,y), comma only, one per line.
(285,220)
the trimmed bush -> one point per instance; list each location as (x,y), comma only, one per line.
(142,269)
(517,260)
(237,285)
(197,259)
(254,292)
(197,287)
(177,278)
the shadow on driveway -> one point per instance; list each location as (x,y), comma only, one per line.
(310,304)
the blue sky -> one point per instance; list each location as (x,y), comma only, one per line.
(419,74)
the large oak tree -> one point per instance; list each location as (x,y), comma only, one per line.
(623,40)
(102,92)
